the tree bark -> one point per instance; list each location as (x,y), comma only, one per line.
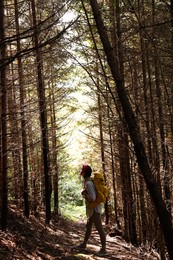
(167,178)
(23,121)
(162,212)
(43,119)
(128,202)
(171,12)
(55,169)
(4,206)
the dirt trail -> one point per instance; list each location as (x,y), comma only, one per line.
(30,239)
(117,248)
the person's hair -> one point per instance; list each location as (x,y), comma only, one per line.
(87,171)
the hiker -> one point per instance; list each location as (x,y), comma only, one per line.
(93,214)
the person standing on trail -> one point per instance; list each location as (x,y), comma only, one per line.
(93,214)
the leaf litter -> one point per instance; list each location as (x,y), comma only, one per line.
(31,239)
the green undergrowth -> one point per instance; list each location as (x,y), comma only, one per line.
(73,212)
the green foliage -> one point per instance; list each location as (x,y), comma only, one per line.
(70,199)
(73,212)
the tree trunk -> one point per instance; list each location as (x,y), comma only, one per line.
(162,212)
(102,145)
(15,188)
(128,203)
(143,209)
(171,12)
(4,206)
(43,118)
(54,148)
(23,121)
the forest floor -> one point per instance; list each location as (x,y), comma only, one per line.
(32,239)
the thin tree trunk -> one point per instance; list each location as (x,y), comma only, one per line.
(143,209)
(102,150)
(14,139)
(161,125)
(128,203)
(43,119)
(112,159)
(4,206)
(54,149)
(163,143)
(155,157)
(162,212)
(23,121)
(171,12)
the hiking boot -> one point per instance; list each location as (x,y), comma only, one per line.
(81,246)
(102,252)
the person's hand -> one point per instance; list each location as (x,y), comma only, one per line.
(84,193)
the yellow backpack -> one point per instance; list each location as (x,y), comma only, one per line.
(101,190)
